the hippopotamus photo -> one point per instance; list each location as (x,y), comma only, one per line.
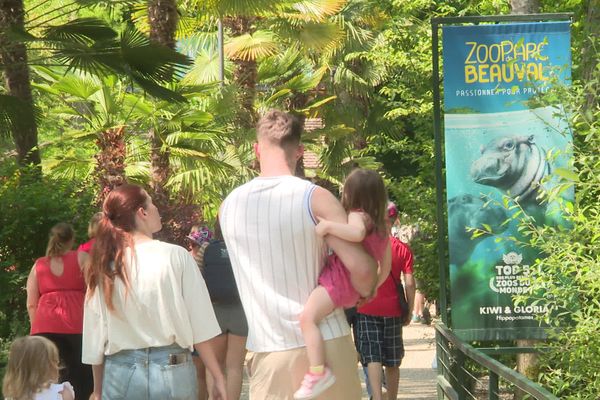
(513,164)
(468,211)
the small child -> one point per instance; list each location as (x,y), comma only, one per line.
(32,371)
(92,229)
(365,199)
(200,237)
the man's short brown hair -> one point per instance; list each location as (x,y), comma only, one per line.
(279,128)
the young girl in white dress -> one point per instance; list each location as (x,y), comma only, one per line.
(32,371)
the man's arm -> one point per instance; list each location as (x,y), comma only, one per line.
(385,266)
(362,267)
(409,281)
(409,289)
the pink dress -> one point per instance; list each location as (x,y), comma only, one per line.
(335,277)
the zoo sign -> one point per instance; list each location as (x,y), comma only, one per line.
(503,142)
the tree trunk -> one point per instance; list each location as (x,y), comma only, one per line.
(525,6)
(527,364)
(244,74)
(589,59)
(159,169)
(13,57)
(163,19)
(110,161)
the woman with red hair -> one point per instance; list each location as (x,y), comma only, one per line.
(147,306)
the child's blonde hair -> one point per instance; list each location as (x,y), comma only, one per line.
(33,364)
(93,225)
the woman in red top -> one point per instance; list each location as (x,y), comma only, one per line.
(55,296)
(92,229)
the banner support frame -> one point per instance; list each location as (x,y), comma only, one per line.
(441,218)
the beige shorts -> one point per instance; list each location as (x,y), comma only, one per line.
(277,375)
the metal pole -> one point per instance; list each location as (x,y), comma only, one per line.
(439,183)
(493,386)
(221,52)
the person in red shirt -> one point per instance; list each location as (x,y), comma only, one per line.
(380,320)
(55,296)
(92,229)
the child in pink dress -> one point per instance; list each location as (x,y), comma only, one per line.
(365,199)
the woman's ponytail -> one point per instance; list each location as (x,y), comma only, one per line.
(60,240)
(113,237)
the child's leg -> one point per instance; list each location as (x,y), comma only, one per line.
(317,307)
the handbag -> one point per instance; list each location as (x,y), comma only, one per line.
(401,299)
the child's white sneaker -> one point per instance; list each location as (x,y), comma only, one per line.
(313,385)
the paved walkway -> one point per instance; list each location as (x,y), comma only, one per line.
(417,378)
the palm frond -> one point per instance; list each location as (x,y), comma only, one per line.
(281,66)
(77,86)
(252,46)
(16,114)
(147,64)
(224,8)
(70,164)
(317,10)
(80,31)
(349,79)
(137,170)
(321,37)
(198,42)
(205,69)
(305,81)
(312,107)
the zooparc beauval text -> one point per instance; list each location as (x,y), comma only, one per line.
(505,62)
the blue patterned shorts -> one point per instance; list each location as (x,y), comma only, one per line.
(380,340)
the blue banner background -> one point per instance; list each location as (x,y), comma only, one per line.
(497,153)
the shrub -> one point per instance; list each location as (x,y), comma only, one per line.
(30,207)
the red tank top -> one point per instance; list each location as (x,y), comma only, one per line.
(60,307)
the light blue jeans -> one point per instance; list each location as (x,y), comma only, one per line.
(147,374)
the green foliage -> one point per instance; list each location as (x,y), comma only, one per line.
(29,209)
(568,278)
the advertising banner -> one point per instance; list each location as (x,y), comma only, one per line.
(504,142)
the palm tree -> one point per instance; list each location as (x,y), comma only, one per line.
(86,44)
(162,21)
(99,111)
(17,106)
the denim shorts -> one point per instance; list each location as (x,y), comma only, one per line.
(154,373)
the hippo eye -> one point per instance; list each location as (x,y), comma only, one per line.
(509,145)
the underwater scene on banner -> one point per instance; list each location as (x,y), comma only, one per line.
(500,154)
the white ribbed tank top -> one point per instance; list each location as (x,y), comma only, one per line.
(276,257)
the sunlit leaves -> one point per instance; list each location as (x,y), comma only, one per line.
(252,46)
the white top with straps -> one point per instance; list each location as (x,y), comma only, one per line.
(276,257)
(54,392)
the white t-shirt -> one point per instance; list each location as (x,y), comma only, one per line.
(167,303)
(54,392)
(276,257)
